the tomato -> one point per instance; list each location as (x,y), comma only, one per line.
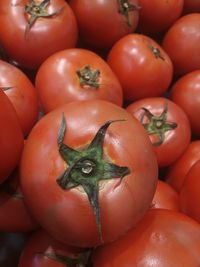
(142,66)
(189,194)
(41,250)
(165,197)
(157,16)
(21,93)
(102,23)
(163,238)
(39,28)
(186,93)
(191,6)
(14,216)
(11,137)
(93,188)
(167,125)
(76,74)
(182,42)
(177,171)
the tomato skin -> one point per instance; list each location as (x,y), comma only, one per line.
(177,172)
(60,212)
(57,81)
(191,6)
(11,138)
(163,238)
(100,23)
(175,140)
(157,16)
(165,197)
(186,93)
(132,59)
(182,42)
(189,194)
(41,242)
(21,93)
(45,37)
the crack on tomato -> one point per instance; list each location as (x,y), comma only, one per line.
(87,167)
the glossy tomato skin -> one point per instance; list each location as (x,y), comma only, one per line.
(142,66)
(189,194)
(21,93)
(11,137)
(57,81)
(163,238)
(182,42)
(66,214)
(186,93)
(165,197)
(45,37)
(175,140)
(39,243)
(157,16)
(177,172)
(100,22)
(14,215)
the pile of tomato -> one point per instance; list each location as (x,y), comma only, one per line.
(100,133)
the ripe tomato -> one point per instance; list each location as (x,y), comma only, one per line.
(11,138)
(102,23)
(186,93)
(189,194)
(76,74)
(38,27)
(167,125)
(191,6)
(93,181)
(177,172)
(142,66)
(165,197)
(14,216)
(41,250)
(21,93)
(163,238)
(182,42)
(157,16)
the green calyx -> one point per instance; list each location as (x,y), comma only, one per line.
(36,11)
(89,77)
(87,167)
(80,260)
(125,7)
(156,52)
(158,124)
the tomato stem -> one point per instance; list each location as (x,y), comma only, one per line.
(125,7)
(156,52)
(89,77)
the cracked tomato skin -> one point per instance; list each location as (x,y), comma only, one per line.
(67,214)
(45,37)
(11,138)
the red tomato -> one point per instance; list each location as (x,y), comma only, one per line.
(14,216)
(142,66)
(191,6)
(182,42)
(157,16)
(186,93)
(189,194)
(11,138)
(101,23)
(93,188)
(32,30)
(76,74)
(41,250)
(178,171)
(167,125)
(165,197)
(21,93)
(163,238)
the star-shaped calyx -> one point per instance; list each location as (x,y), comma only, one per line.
(87,167)
(36,11)
(125,7)
(157,124)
